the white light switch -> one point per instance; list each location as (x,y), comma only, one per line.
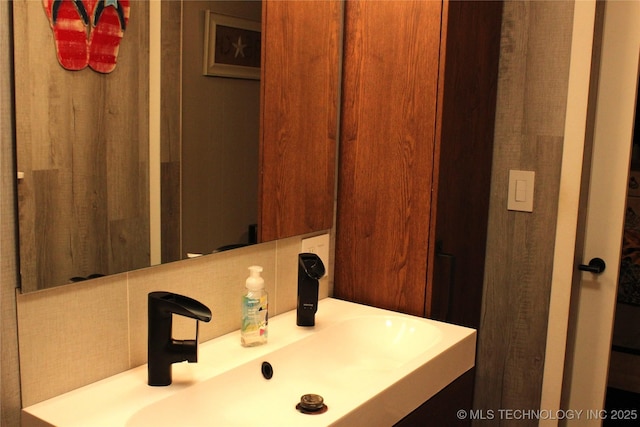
(521,184)
(521,190)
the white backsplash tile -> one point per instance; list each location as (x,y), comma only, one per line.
(71,336)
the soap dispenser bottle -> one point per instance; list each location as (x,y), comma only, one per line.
(255,316)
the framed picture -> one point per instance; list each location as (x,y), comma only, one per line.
(231,47)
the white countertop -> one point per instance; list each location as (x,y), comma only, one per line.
(117,400)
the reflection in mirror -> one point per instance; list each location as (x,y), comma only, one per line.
(215,159)
(83,144)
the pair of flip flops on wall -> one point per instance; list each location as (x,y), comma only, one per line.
(87,32)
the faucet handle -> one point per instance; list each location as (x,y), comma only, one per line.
(311,264)
(167,303)
(162,349)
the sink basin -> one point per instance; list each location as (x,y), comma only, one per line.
(371,367)
(342,363)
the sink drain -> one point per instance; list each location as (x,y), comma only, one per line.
(312,404)
(267,370)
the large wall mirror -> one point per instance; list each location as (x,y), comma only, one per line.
(155,160)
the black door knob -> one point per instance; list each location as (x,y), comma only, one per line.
(595,266)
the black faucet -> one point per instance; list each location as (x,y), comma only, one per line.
(163,350)
(310,270)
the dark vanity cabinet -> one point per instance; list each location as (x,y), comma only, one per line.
(416,142)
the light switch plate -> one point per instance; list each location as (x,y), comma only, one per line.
(521,185)
(318,245)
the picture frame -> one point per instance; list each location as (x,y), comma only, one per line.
(231,47)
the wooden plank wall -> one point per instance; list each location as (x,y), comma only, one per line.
(532,91)
(9,363)
(82,142)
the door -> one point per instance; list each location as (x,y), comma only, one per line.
(387,143)
(593,303)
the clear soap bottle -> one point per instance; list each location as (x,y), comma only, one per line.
(255,317)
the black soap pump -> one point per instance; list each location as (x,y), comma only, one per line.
(310,270)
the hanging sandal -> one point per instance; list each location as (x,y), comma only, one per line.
(69,20)
(109,19)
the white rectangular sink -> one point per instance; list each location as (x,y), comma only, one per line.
(371,366)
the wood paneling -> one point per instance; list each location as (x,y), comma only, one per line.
(387,144)
(300,63)
(415,155)
(532,92)
(82,142)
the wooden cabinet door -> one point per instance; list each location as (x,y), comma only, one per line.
(416,146)
(299,114)
(387,152)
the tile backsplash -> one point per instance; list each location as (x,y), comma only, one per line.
(74,335)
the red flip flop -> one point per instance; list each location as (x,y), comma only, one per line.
(109,19)
(69,20)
